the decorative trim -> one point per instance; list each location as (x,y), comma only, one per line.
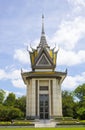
(43,61)
(43,51)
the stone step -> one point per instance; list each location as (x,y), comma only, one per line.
(45,124)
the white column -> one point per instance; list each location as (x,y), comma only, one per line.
(33,98)
(30,98)
(49,99)
(27,100)
(59,99)
(55,105)
(38,99)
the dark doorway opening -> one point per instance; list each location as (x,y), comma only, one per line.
(44,106)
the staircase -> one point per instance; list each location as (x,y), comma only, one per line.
(45,123)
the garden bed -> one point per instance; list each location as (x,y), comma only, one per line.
(16,123)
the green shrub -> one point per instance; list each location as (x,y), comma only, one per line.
(9,113)
(4,123)
(71,123)
(16,123)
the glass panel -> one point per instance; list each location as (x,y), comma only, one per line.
(44,106)
(41,115)
(46,116)
(46,103)
(41,103)
(46,109)
(41,109)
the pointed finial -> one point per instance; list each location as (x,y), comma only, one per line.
(43,41)
(27,48)
(21,70)
(43,24)
(66,70)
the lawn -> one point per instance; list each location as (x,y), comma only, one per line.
(81,128)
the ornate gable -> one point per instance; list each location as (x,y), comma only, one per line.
(43,61)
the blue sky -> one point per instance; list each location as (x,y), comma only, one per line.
(20,26)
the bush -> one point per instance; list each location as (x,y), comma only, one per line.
(22,123)
(67,118)
(15,113)
(71,123)
(81,113)
(9,113)
(5,123)
(64,118)
(16,123)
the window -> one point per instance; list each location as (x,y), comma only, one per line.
(44,88)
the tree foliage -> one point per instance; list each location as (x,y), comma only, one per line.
(11,107)
(71,107)
(67,103)
(9,113)
(2,96)
(81,113)
(21,104)
(15,113)
(80,92)
(10,100)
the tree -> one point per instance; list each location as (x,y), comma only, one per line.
(9,113)
(11,108)
(10,100)
(79,92)
(81,113)
(15,113)
(2,96)
(67,103)
(21,104)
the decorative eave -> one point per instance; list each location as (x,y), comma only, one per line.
(58,75)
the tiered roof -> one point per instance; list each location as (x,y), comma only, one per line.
(43,57)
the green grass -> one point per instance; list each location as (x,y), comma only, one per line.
(81,128)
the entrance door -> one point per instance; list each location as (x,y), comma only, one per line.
(44,106)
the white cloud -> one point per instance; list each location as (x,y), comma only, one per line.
(14,76)
(71,82)
(69,33)
(77,2)
(78,6)
(18,83)
(22,56)
(70,58)
(2,74)
(6,93)
(18,94)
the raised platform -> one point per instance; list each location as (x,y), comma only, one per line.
(45,123)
